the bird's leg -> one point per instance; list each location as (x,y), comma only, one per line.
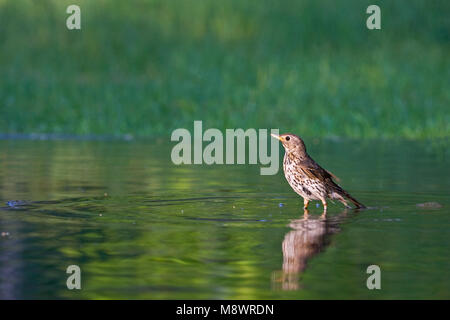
(305,203)
(324,214)
(324,203)
(305,213)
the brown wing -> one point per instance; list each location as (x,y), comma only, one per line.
(333,176)
(314,171)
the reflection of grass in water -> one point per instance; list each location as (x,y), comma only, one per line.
(149,67)
(143,246)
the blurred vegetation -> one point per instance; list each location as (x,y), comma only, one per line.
(147,67)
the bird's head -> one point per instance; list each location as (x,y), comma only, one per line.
(291,142)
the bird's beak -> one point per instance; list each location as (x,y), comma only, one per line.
(275,136)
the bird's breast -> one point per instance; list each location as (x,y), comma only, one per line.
(300,182)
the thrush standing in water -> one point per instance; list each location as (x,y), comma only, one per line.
(307,178)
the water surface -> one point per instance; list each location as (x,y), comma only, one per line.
(140,227)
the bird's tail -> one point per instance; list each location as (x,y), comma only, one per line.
(358,204)
(344,193)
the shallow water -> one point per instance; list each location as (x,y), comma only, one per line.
(140,227)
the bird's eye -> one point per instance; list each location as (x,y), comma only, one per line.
(288,138)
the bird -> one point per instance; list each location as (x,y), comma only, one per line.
(307,178)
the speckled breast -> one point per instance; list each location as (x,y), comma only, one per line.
(311,189)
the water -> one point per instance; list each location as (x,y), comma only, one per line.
(142,228)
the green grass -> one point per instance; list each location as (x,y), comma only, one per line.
(147,67)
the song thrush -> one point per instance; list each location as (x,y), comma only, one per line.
(307,178)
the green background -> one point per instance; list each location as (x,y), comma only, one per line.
(145,68)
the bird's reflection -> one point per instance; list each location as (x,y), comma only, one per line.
(308,237)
